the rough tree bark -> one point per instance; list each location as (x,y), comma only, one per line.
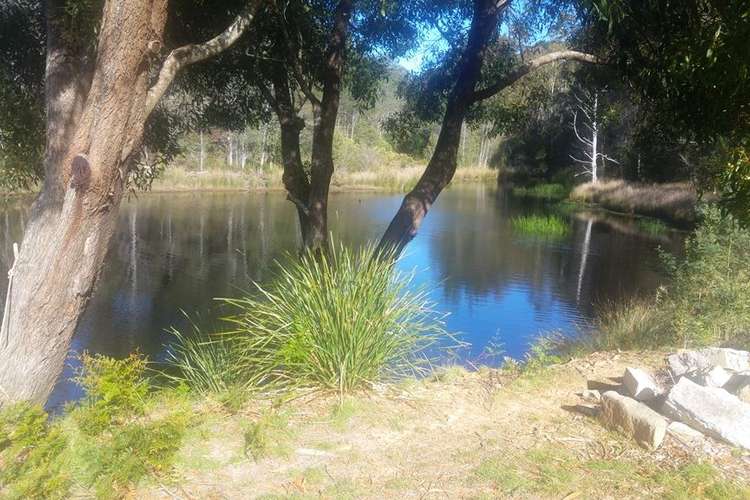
(442,165)
(95,122)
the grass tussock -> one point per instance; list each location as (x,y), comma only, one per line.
(339,322)
(674,201)
(545,191)
(548,226)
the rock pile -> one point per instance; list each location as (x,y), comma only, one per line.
(703,392)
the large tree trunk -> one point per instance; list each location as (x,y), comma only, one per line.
(442,164)
(95,122)
(88,151)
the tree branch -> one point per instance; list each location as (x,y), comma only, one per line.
(193,53)
(537,62)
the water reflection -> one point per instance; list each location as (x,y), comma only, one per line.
(176,252)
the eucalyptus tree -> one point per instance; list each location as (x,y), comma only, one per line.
(303,55)
(108,65)
(477,65)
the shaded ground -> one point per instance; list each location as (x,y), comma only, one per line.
(461,435)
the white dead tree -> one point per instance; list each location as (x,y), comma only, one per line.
(588,107)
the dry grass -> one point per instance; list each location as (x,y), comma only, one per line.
(403,179)
(674,201)
(485,434)
(384,179)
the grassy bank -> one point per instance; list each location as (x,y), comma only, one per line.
(485,434)
(399,179)
(675,202)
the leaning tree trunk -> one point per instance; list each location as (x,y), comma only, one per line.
(95,122)
(89,147)
(442,164)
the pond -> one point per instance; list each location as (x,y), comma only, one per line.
(176,252)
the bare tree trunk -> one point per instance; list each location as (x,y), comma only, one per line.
(95,122)
(594,140)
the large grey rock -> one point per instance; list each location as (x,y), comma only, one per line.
(712,411)
(639,385)
(685,362)
(633,418)
(715,377)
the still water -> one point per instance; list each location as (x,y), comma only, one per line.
(174,252)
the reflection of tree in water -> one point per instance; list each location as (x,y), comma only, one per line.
(476,251)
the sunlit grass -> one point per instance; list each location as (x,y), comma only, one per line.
(550,191)
(549,226)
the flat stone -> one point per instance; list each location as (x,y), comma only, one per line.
(634,419)
(685,433)
(713,411)
(639,385)
(590,395)
(684,362)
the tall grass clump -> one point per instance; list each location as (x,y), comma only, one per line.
(204,362)
(338,321)
(550,226)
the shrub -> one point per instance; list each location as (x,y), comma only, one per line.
(710,292)
(131,452)
(707,301)
(30,449)
(338,321)
(115,388)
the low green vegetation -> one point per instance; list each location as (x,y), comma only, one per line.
(102,446)
(550,470)
(546,191)
(337,322)
(548,226)
(707,301)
